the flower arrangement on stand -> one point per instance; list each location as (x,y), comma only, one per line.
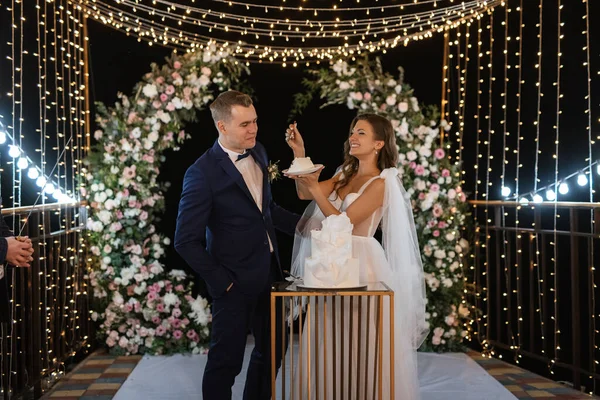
(141,306)
(431,180)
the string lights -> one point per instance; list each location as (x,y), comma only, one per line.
(60,118)
(260,38)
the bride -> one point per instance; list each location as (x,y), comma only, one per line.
(368,189)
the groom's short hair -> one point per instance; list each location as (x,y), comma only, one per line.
(220,109)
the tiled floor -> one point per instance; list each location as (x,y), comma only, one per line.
(100,376)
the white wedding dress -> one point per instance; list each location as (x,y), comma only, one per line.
(350,367)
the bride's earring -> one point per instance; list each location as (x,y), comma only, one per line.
(375,151)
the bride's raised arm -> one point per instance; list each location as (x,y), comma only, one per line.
(296,142)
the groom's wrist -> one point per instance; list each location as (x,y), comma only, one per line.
(299,154)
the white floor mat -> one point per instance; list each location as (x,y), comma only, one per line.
(442,377)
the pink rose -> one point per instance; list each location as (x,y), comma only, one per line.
(179,288)
(412,165)
(156,319)
(436,340)
(170,90)
(156,104)
(436,233)
(439,153)
(177,334)
(419,170)
(163,97)
(131,117)
(191,334)
(367,96)
(176,65)
(160,330)
(160,80)
(176,312)
(160,307)
(176,323)
(445,173)
(151,296)
(430,224)
(442,225)
(170,107)
(435,187)
(421,196)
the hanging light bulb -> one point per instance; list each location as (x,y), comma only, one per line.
(537,198)
(33,173)
(57,195)
(598,169)
(22,163)
(506,191)
(13,151)
(2,137)
(41,181)
(582,180)
(49,188)
(524,201)
(550,195)
(563,188)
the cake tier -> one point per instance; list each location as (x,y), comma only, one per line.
(319,273)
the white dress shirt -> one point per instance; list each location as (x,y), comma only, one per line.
(253,177)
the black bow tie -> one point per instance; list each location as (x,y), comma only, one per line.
(242,156)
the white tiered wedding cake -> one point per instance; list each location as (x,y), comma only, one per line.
(331,264)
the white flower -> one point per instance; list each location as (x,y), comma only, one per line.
(451,194)
(391,83)
(164,117)
(464,244)
(344,85)
(170,299)
(391,100)
(439,253)
(204,81)
(153,136)
(450,236)
(98,134)
(447,282)
(136,132)
(398,89)
(150,90)
(403,107)
(411,155)
(117,298)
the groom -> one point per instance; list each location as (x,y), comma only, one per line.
(226,233)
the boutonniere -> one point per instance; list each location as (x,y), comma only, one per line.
(273,171)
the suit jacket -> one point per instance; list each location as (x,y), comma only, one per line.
(221,233)
(4,297)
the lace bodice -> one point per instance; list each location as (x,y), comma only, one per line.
(368,227)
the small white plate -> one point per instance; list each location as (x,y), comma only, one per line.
(308,171)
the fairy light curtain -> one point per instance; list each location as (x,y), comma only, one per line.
(44,137)
(521,89)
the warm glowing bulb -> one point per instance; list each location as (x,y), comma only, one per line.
(2,137)
(22,163)
(506,191)
(524,200)
(582,180)
(14,151)
(33,173)
(537,198)
(41,181)
(551,195)
(49,188)
(563,188)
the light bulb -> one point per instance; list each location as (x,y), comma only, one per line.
(57,194)
(582,180)
(33,173)
(41,181)
(550,195)
(13,151)
(523,200)
(563,188)
(49,188)
(506,191)
(22,163)
(537,198)
(2,137)
(598,169)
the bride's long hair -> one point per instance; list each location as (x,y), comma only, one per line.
(387,156)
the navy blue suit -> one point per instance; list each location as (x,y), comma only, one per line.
(222,234)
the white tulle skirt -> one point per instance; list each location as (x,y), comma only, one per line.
(339,338)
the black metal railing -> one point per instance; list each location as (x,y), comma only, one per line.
(49,301)
(534,282)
